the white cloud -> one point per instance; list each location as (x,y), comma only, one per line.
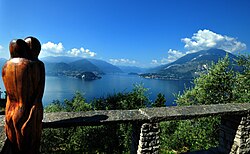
(53,49)
(154,62)
(122,61)
(206,39)
(159,62)
(173,55)
(81,52)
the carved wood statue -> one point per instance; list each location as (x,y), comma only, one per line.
(24,79)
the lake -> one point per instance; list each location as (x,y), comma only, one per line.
(60,88)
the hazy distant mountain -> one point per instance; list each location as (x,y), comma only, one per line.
(60,59)
(105,66)
(56,68)
(190,65)
(132,69)
(65,65)
(84,65)
(61,68)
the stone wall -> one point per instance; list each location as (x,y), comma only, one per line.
(234,130)
(235,134)
(149,141)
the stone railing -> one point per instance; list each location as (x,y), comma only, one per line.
(234,130)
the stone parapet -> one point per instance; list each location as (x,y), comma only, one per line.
(149,139)
(234,129)
(235,134)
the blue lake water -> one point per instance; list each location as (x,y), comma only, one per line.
(60,88)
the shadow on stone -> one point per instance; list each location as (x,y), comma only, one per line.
(79,121)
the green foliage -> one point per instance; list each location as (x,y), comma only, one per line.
(112,138)
(214,87)
(219,85)
(77,104)
(242,86)
(189,135)
(160,101)
(88,139)
(55,106)
(135,99)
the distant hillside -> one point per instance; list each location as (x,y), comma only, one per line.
(84,65)
(72,65)
(56,68)
(60,59)
(189,66)
(132,69)
(105,66)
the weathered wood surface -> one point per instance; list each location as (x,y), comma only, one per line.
(24,80)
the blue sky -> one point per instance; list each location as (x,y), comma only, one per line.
(143,33)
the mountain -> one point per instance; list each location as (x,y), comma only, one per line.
(105,66)
(84,65)
(59,59)
(190,65)
(62,68)
(72,66)
(56,68)
(132,69)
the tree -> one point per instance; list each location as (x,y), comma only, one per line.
(112,138)
(215,86)
(160,101)
(242,85)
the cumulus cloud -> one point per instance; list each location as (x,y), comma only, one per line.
(204,40)
(122,61)
(50,49)
(53,49)
(159,62)
(154,62)
(81,52)
(173,55)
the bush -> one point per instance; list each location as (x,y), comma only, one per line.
(112,138)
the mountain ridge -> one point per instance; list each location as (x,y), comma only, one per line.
(132,69)
(62,65)
(58,59)
(189,66)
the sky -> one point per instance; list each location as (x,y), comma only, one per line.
(144,33)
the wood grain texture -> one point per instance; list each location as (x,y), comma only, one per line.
(24,79)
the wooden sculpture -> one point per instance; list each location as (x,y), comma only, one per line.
(24,79)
